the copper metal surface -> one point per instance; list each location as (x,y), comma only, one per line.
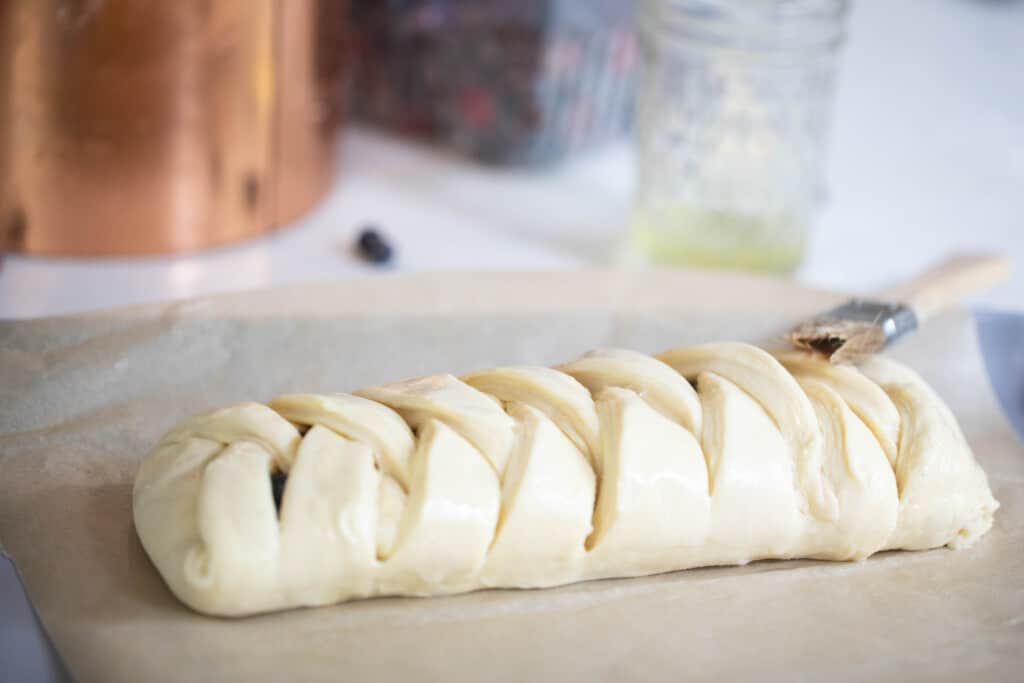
(142,126)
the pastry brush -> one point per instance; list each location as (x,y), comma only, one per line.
(861,327)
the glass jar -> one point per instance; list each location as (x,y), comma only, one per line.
(733,105)
(520,83)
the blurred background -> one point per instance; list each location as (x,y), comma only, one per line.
(153,150)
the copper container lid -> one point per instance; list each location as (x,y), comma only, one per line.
(144,126)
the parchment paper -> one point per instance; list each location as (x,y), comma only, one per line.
(83,398)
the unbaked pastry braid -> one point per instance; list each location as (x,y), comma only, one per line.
(616,464)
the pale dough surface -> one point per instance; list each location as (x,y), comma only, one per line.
(615,464)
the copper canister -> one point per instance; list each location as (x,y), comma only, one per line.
(145,126)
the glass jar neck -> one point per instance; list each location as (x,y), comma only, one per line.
(782,27)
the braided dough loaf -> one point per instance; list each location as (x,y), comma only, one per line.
(616,464)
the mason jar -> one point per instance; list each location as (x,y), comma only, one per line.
(733,106)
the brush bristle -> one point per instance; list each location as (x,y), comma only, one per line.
(839,341)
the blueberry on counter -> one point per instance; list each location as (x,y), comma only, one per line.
(373,247)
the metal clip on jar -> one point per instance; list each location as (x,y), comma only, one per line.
(732,113)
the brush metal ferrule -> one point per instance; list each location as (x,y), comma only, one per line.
(894,320)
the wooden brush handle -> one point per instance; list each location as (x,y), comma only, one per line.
(949,282)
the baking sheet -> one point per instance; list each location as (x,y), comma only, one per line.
(83,398)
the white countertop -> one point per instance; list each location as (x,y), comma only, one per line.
(927,156)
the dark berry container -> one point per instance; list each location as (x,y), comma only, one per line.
(522,82)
